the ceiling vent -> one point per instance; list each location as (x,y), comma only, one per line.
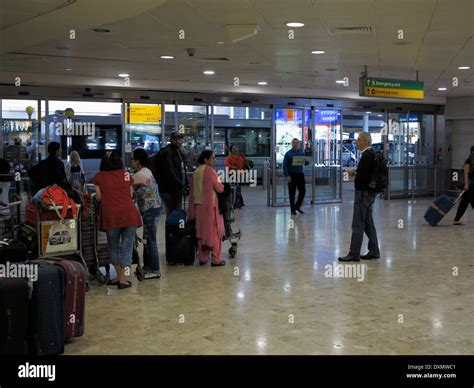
(350,30)
(223,59)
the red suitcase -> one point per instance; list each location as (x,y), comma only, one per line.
(74,298)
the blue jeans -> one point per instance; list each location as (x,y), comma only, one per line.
(120,242)
(151,259)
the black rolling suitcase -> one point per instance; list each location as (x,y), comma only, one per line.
(180,239)
(47,310)
(14,316)
(13,251)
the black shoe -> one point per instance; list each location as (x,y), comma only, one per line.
(201,263)
(121,286)
(293,212)
(300,211)
(349,258)
(219,264)
(368,256)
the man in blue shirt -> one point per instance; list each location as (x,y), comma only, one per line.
(293,163)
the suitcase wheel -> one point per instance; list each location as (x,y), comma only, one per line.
(232,252)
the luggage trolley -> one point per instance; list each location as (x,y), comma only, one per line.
(58,238)
(226,206)
(94,251)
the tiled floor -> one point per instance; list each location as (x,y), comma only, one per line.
(282,302)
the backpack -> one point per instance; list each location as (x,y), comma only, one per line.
(55,196)
(379,180)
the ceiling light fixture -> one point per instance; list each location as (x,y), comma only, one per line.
(220,42)
(442,89)
(68,69)
(340,81)
(209,72)
(123,75)
(167,57)
(368,113)
(262,83)
(317,52)
(295,24)
(464,67)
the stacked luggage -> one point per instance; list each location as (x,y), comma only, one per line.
(42,302)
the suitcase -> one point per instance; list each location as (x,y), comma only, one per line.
(28,236)
(180,241)
(14,314)
(47,310)
(13,251)
(74,297)
(439,208)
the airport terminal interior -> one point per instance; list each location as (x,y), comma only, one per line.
(114,75)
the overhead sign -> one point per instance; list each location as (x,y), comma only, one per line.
(143,114)
(391,88)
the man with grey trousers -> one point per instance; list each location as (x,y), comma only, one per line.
(362,220)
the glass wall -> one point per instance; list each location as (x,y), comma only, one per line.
(143,125)
(194,123)
(90,128)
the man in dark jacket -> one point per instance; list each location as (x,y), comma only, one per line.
(468,196)
(49,171)
(362,220)
(170,173)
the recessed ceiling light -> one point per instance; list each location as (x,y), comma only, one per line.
(209,72)
(318,52)
(379,115)
(368,113)
(68,69)
(442,89)
(464,67)
(167,57)
(123,75)
(220,42)
(340,81)
(101,30)
(262,83)
(295,24)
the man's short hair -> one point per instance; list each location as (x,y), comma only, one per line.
(53,147)
(295,139)
(366,136)
(472,149)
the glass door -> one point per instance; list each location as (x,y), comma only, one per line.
(290,123)
(327,155)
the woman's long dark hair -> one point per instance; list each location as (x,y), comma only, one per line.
(206,154)
(141,156)
(111,161)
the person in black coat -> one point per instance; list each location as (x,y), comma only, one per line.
(50,171)
(169,168)
(362,220)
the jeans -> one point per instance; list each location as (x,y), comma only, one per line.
(171,201)
(120,242)
(151,259)
(362,221)
(297,180)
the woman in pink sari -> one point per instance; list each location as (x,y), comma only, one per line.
(204,208)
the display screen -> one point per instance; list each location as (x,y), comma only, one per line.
(289,125)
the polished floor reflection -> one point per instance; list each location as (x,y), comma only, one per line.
(278,296)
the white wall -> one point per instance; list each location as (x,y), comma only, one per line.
(461,140)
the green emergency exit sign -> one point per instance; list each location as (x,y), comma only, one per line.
(391,88)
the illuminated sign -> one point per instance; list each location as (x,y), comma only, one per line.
(391,88)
